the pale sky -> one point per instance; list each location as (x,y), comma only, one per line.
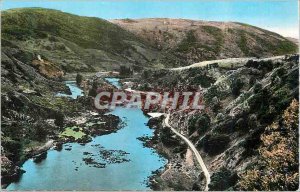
(280,16)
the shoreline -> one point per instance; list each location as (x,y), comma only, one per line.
(169,177)
(153,143)
(57,144)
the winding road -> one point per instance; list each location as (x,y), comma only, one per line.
(227,62)
(195,151)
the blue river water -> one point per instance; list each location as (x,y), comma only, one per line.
(66,170)
(75,91)
(114,81)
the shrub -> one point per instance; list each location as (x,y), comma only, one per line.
(241,124)
(215,144)
(257,87)
(216,104)
(14,149)
(59,119)
(220,117)
(222,180)
(242,43)
(125,71)
(252,81)
(199,122)
(236,86)
(52,39)
(211,93)
(145,74)
(252,121)
(93,90)
(41,131)
(78,79)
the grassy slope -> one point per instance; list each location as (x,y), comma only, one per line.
(75,43)
(78,39)
(84,31)
(194,41)
(268,43)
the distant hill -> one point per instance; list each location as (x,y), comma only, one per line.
(193,41)
(72,43)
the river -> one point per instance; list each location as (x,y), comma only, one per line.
(66,170)
(75,91)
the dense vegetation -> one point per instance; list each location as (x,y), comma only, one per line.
(277,166)
(248,133)
(92,33)
(73,43)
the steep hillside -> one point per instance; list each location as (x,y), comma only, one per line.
(247,134)
(33,116)
(194,41)
(74,43)
(38,48)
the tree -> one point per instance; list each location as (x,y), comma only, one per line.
(125,71)
(41,131)
(198,123)
(252,121)
(93,90)
(78,79)
(216,104)
(214,144)
(59,119)
(257,87)
(236,86)
(222,180)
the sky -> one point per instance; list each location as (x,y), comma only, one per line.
(280,16)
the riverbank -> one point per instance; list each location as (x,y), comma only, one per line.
(107,148)
(181,172)
(85,122)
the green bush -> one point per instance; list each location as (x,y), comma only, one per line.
(236,86)
(93,90)
(200,123)
(125,71)
(215,144)
(78,79)
(189,42)
(222,180)
(59,119)
(257,87)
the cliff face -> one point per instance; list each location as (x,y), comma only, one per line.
(194,41)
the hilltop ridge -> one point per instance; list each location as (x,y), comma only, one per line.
(192,41)
(75,43)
